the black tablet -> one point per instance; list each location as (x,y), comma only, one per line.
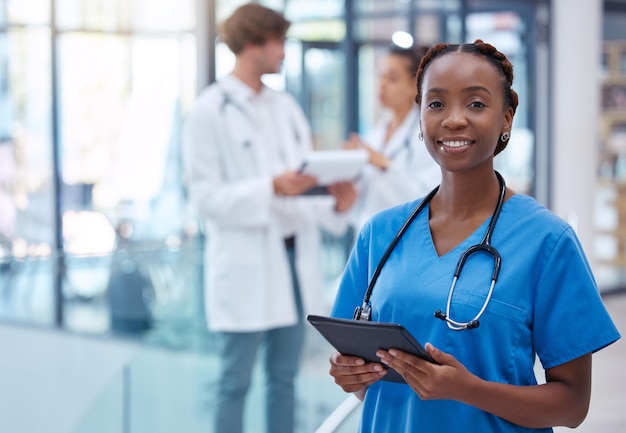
(362,338)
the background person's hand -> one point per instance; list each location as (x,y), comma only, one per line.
(375,158)
(345,195)
(293,183)
(353,142)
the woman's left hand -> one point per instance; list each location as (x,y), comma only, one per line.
(443,380)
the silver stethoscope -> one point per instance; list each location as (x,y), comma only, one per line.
(363,312)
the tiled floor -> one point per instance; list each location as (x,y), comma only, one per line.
(607,413)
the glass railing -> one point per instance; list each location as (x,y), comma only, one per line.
(166,390)
(151,293)
(133,291)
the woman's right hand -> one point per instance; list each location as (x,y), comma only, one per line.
(353,374)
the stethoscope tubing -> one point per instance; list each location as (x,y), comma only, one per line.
(459,326)
(363,312)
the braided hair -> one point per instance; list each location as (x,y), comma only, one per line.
(478,48)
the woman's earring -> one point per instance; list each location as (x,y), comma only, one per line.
(505,136)
(421,136)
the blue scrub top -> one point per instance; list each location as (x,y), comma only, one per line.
(545,303)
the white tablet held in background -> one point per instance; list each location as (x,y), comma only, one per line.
(331,166)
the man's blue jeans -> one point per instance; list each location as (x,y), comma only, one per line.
(281,349)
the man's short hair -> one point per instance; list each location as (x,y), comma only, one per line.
(252,23)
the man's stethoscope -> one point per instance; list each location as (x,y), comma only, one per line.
(229,100)
(364,311)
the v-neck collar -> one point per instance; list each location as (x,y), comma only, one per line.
(474,238)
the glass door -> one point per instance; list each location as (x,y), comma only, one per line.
(322,84)
(516,29)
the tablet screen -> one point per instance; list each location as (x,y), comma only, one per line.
(362,338)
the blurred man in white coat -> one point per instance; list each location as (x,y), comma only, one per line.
(244,143)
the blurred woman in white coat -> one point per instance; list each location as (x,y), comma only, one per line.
(400,168)
(244,143)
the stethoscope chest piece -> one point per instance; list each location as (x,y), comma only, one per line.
(483,247)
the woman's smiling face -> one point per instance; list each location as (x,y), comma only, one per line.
(462,110)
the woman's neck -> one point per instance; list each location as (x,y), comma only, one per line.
(464,201)
(464,194)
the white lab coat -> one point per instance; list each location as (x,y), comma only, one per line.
(247,277)
(412,173)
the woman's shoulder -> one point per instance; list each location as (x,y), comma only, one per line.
(394,217)
(526,203)
(525,211)
(520,211)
